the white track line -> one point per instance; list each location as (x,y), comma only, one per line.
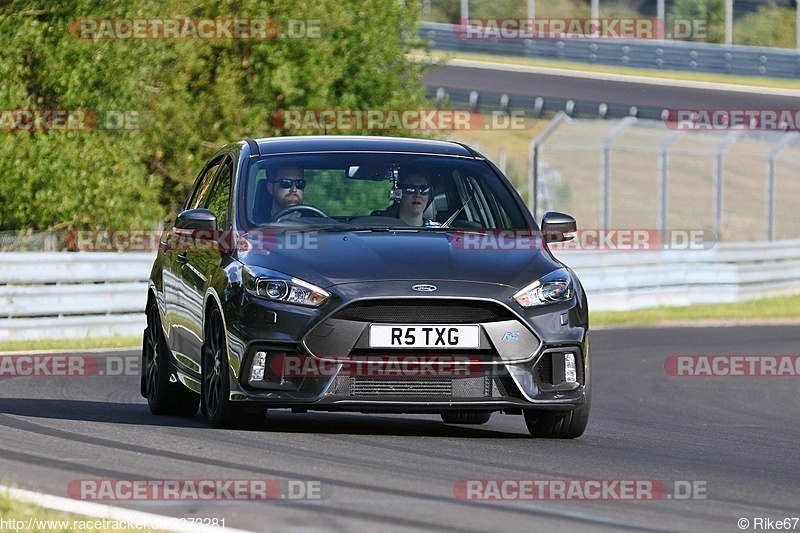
(108,512)
(624,78)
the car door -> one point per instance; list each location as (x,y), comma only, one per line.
(174,257)
(203,260)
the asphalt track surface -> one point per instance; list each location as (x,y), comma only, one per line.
(564,87)
(738,437)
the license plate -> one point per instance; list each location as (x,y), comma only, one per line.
(421,336)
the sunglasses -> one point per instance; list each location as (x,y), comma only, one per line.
(424,190)
(286,183)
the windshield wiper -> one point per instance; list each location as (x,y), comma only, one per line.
(361,228)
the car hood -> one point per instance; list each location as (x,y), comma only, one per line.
(332,258)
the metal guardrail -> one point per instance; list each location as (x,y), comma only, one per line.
(539,106)
(73,295)
(727,273)
(660,55)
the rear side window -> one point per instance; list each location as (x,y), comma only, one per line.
(202,186)
(220,196)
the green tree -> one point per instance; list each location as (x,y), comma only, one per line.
(191,96)
(710,11)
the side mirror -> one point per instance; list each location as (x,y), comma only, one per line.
(201,219)
(558,227)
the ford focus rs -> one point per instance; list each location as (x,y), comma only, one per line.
(364,274)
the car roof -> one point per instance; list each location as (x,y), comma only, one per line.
(359,143)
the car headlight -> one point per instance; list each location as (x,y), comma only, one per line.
(272,285)
(553,288)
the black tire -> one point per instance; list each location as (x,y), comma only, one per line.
(557,424)
(163,396)
(458,417)
(220,410)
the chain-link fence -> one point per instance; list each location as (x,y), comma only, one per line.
(30,241)
(752,22)
(635,173)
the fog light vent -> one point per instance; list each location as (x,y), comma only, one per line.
(257,368)
(570,372)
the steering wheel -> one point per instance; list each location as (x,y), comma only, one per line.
(297,208)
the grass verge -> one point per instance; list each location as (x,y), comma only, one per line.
(766,309)
(70,344)
(783,308)
(776,83)
(22,516)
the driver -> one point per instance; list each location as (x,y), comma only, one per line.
(286,186)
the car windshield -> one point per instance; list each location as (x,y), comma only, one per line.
(352,191)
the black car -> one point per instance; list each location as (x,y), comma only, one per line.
(364,274)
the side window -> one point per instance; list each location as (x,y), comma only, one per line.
(202,186)
(220,196)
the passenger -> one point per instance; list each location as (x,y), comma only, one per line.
(417,196)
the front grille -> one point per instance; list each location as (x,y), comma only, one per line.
(484,386)
(401,387)
(429,311)
(544,369)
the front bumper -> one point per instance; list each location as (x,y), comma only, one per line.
(519,363)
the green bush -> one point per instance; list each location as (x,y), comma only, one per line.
(449,11)
(710,11)
(191,97)
(770,25)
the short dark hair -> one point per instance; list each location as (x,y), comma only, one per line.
(407,172)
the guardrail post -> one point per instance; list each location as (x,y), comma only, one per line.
(787,140)
(663,180)
(605,170)
(719,174)
(533,160)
